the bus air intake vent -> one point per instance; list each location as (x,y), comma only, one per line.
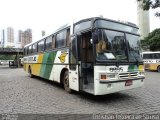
(128,75)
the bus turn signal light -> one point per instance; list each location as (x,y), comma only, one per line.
(103,77)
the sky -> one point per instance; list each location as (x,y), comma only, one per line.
(49,15)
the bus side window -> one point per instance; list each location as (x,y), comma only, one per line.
(73,53)
(68,37)
(158,54)
(34,47)
(84,47)
(147,56)
(30,49)
(25,51)
(154,56)
(86,52)
(41,46)
(53,42)
(49,43)
(61,39)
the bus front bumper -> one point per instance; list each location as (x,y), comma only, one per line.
(107,87)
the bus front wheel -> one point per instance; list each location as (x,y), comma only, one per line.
(158,68)
(66,82)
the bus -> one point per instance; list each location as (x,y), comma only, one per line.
(95,55)
(152,60)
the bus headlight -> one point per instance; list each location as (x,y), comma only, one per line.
(111,75)
(103,77)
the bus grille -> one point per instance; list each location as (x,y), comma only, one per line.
(128,75)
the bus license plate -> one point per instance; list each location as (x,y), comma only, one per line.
(128,82)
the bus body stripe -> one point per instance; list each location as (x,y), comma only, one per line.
(141,68)
(46,68)
(38,67)
(132,68)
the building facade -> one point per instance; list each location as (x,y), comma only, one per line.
(7,37)
(15,39)
(26,37)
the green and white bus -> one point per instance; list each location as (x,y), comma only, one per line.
(95,55)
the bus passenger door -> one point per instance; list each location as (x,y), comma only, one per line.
(87,66)
(73,65)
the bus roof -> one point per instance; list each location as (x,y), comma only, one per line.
(149,52)
(101,18)
(59,29)
(82,20)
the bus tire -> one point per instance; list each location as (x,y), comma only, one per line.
(158,68)
(66,82)
(30,72)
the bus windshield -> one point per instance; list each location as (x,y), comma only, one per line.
(133,47)
(130,27)
(117,46)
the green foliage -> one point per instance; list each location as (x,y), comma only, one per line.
(7,57)
(150,4)
(152,41)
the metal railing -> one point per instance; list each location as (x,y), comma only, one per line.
(11,50)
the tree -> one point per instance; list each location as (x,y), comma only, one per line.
(7,57)
(152,41)
(150,4)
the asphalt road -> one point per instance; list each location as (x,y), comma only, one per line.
(20,94)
